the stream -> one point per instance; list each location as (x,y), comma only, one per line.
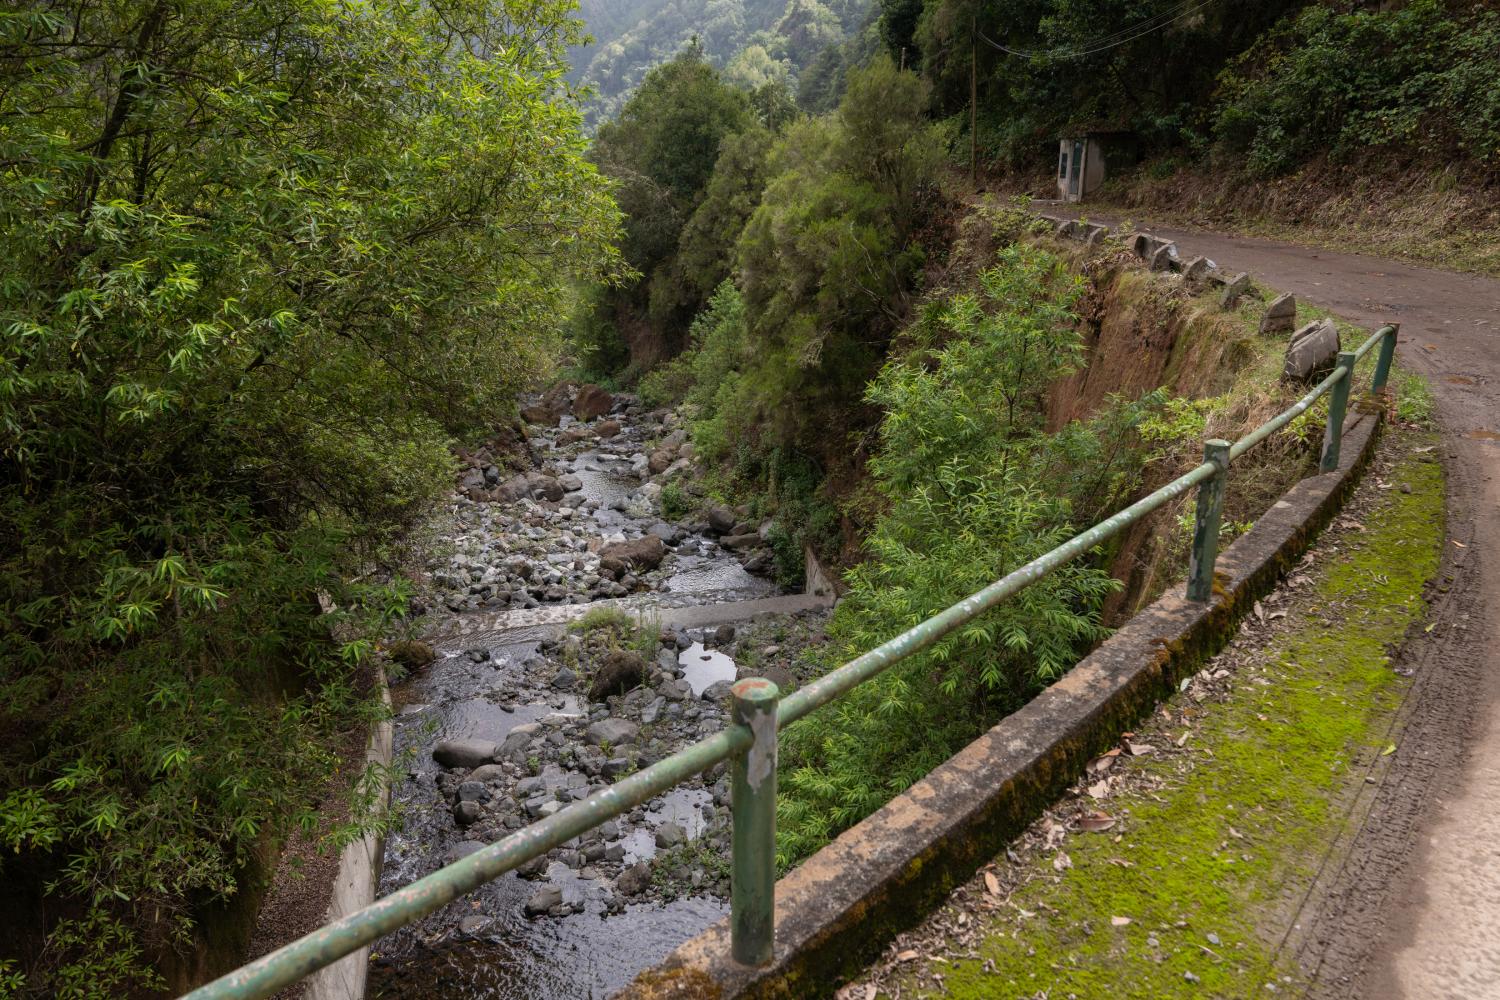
(507,707)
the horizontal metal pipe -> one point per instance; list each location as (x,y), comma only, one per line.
(327,944)
(820,692)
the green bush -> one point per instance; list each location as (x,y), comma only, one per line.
(974,488)
(1419,78)
(262,263)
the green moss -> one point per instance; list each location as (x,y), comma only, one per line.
(1214,851)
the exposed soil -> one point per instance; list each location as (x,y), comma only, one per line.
(1410,909)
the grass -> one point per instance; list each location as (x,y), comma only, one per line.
(1212,851)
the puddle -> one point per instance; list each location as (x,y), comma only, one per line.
(704,667)
(1483,434)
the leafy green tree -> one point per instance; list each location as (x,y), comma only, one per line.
(662,151)
(262,263)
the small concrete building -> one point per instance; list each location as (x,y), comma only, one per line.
(1086,157)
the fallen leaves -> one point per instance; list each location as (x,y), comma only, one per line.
(1096,822)
(1062,862)
(1119,921)
(991,884)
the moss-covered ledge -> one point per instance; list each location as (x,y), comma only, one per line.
(840,907)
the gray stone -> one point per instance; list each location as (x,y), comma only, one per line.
(1161,258)
(543,900)
(669,835)
(717,691)
(1195,272)
(461,850)
(638,553)
(535,868)
(1233,291)
(564,679)
(738,542)
(1281,315)
(487,772)
(464,753)
(720,520)
(616,766)
(571,484)
(1312,351)
(666,659)
(634,880)
(519,737)
(724,635)
(473,924)
(615,732)
(466,813)
(614,852)
(668,533)
(592,402)
(473,791)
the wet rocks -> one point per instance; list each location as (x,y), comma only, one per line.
(607,429)
(467,813)
(637,553)
(669,835)
(634,880)
(721,520)
(410,654)
(464,753)
(592,402)
(621,670)
(543,900)
(461,850)
(615,732)
(740,542)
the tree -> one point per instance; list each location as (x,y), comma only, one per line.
(262,262)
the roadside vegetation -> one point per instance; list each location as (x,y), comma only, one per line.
(1160,874)
(263,263)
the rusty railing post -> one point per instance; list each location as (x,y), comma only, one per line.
(752,901)
(1205,553)
(1338,404)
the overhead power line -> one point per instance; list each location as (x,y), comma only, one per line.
(1121,37)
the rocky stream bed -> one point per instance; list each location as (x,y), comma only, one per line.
(559,622)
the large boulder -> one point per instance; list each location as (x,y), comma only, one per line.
(1312,351)
(545,487)
(720,520)
(745,541)
(550,408)
(615,732)
(410,653)
(642,553)
(608,428)
(592,402)
(621,670)
(464,753)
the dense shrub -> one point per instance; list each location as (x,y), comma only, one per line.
(261,263)
(974,488)
(1421,78)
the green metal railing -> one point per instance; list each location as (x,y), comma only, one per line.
(759,711)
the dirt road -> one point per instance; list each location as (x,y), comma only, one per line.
(1412,910)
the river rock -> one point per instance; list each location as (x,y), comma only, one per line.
(669,835)
(545,487)
(659,460)
(487,772)
(724,635)
(607,428)
(720,520)
(717,691)
(1281,314)
(668,533)
(621,670)
(518,738)
(634,880)
(473,791)
(592,402)
(467,813)
(464,753)
(615,732)
(642,553)
(564,679)
(410,654)
(543,900)
(461,850)
(737,542)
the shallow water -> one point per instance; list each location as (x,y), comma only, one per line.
(703,668)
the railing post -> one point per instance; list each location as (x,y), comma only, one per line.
(1206,527)
(1383,361)
(753,789)
(1338,403)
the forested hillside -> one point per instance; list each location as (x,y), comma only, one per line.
(754,42)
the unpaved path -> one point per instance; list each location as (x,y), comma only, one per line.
(1411,909)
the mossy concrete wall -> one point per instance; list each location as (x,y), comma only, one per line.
(839,908)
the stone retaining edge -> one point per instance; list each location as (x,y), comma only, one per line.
(838,910)
(358,878)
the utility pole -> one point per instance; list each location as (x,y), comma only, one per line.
(974,99)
